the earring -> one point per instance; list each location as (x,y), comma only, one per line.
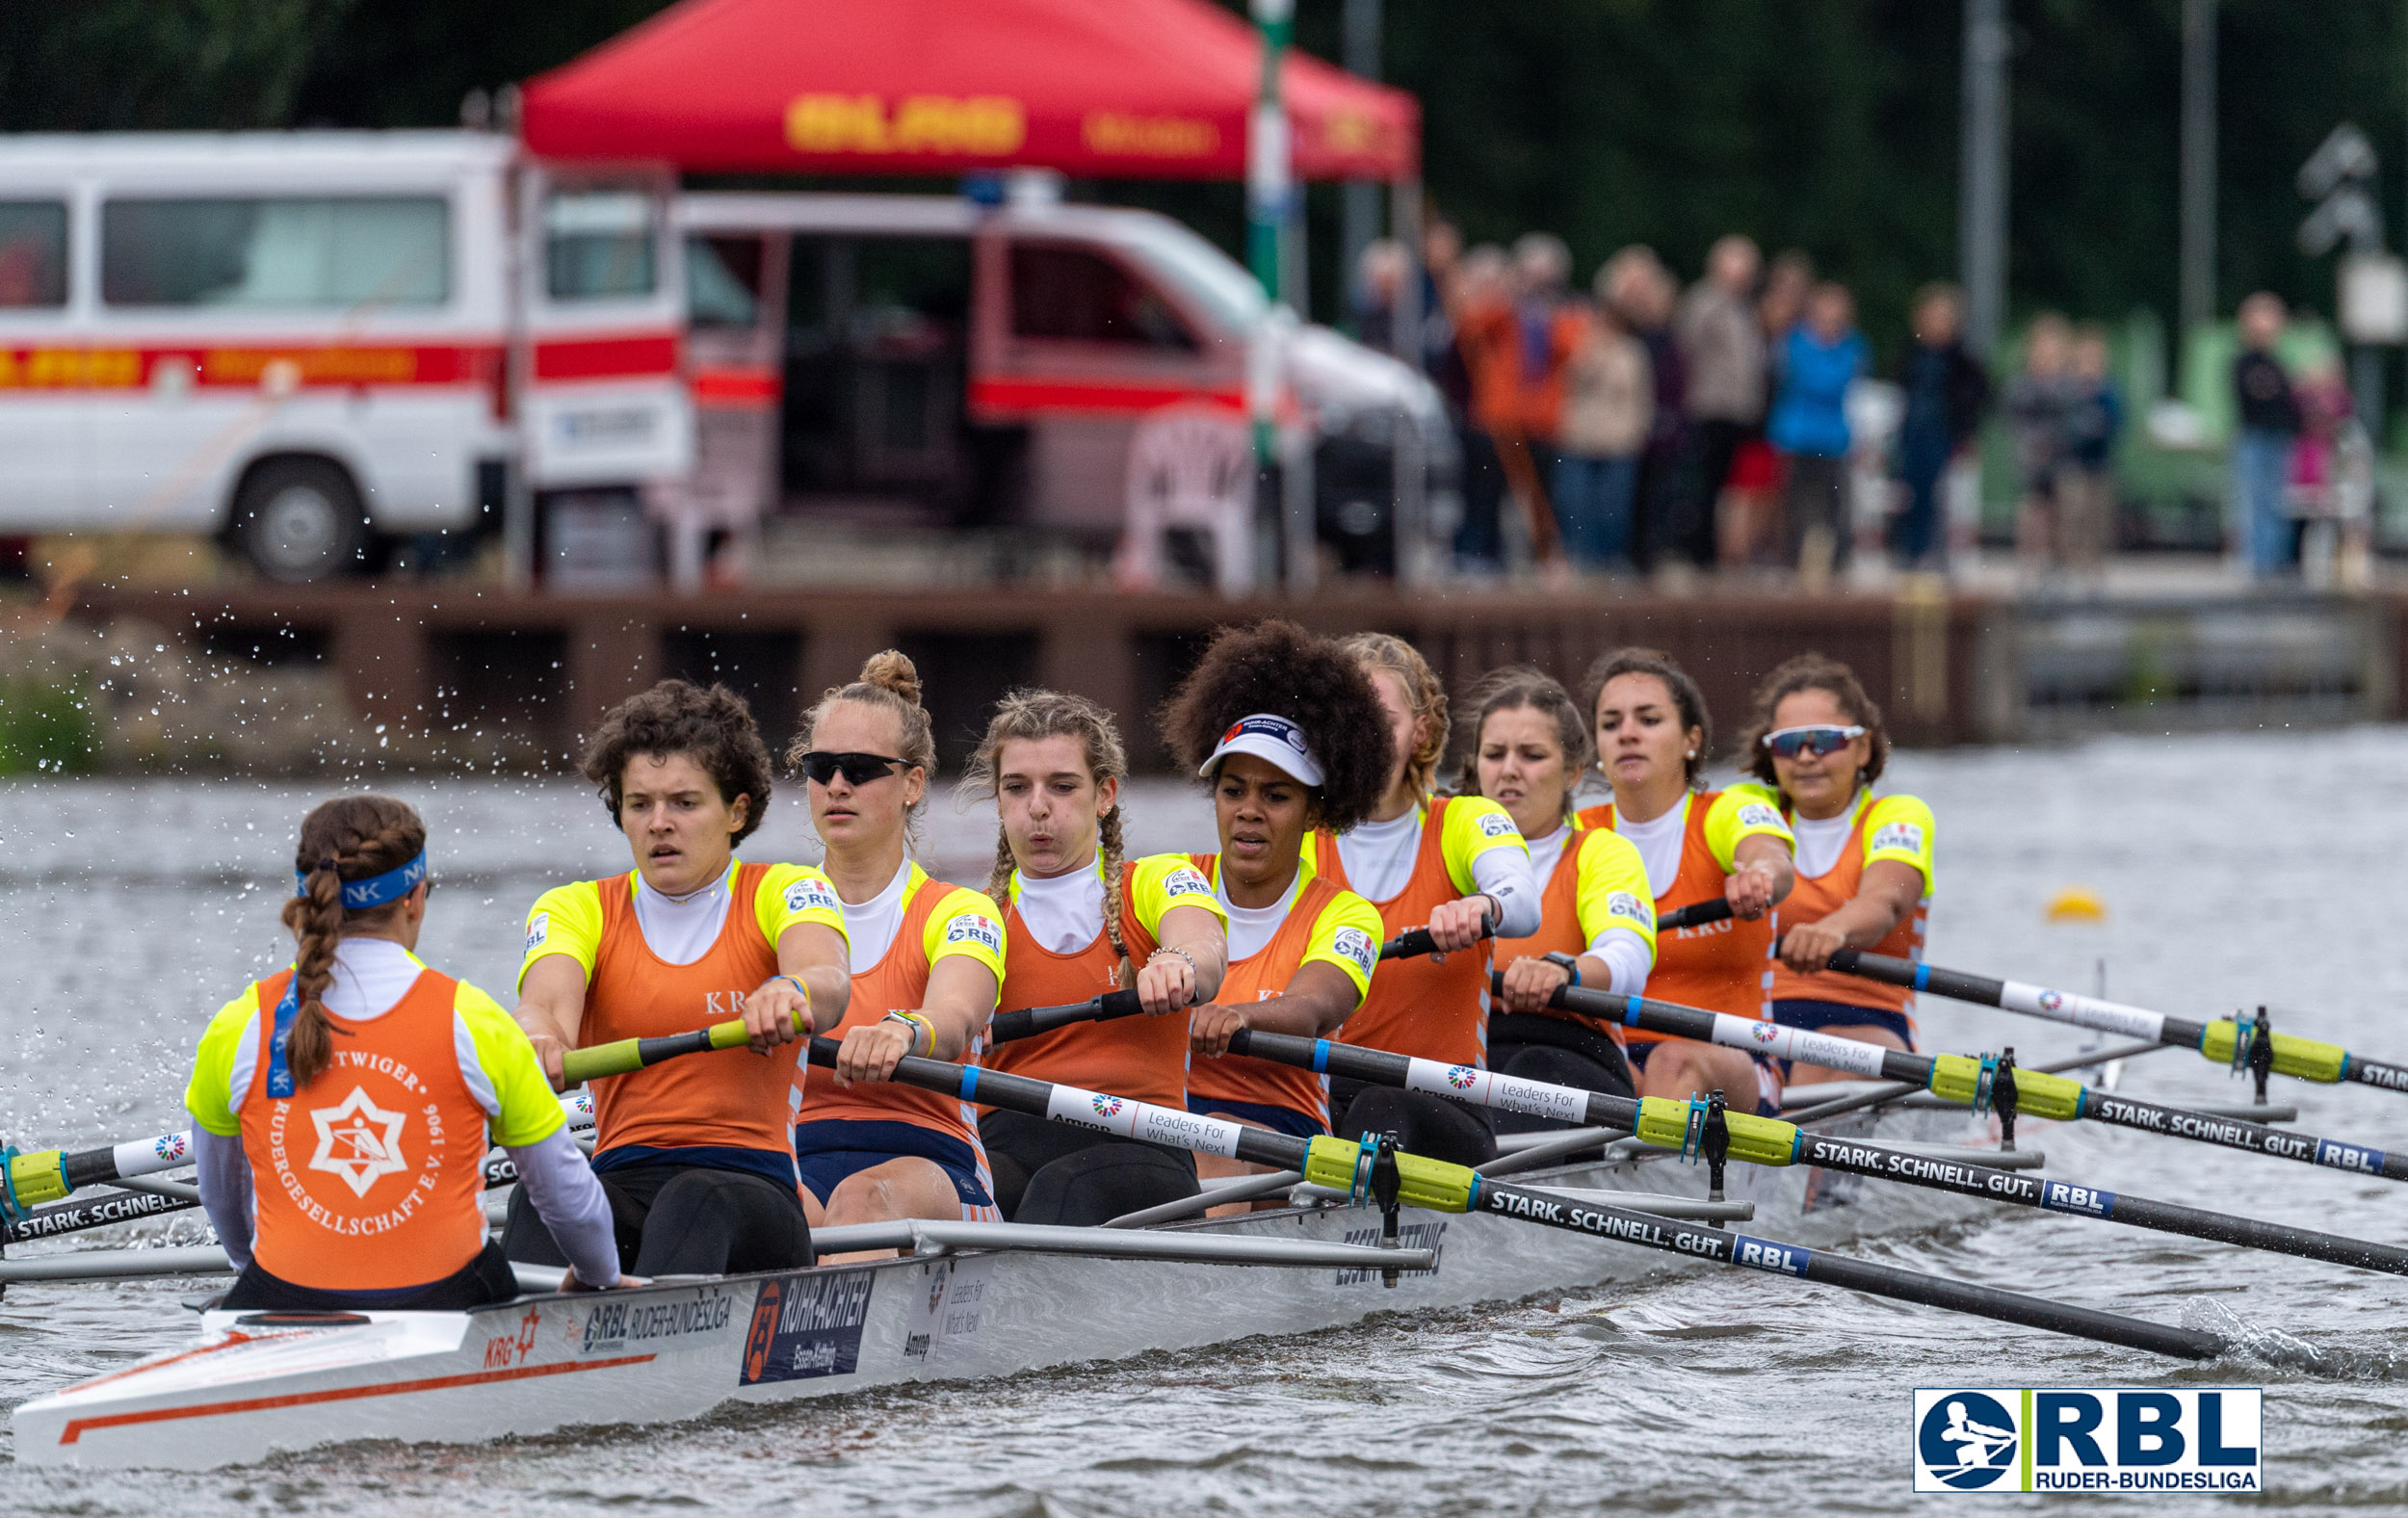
(1691,754)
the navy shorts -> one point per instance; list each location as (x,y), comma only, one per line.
(1279,1120)
(1815,1016)
(830,1149)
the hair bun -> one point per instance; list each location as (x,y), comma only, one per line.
(893,671)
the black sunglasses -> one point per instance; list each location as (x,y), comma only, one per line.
(857,769)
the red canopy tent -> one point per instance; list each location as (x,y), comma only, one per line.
(1133,88)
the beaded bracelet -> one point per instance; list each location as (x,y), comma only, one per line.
(1173,949)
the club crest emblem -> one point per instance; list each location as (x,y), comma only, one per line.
(358,1142)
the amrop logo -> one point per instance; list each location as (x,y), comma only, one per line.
(1965,1441)
(2088,1439)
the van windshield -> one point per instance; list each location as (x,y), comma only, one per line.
(318,251)
(1198,270)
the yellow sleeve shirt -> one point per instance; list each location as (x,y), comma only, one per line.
(1347,935)
(1163,881)
(1610,888)
(964,924)
(1899,827)
(1744,811)
(209,1096)
(568,919)
(1474,826)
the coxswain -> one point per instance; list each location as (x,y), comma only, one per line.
(1652,734)
(1530,749)
(1287,732)
(926,959)
(1864,861)
(342,1107)
(1080,919)
(1453,865)
(696,1153)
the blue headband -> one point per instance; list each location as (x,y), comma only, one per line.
(377,890)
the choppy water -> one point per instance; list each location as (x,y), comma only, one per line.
(2237,869)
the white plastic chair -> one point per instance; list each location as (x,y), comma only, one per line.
(1192,466)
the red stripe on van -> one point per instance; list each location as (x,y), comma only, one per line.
(738,389)
(1102,397)
(620,357)
(245,366)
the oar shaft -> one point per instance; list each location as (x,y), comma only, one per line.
(1447,1188)
(1696,914)
(626,1056)
(1764,1141)
(1027,1022)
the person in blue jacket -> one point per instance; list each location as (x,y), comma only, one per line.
(1822,356)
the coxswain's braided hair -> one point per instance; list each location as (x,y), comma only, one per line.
(1278,667)
(713,727)
(349,838)
(1030,716)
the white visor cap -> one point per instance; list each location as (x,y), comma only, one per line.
(1274,740)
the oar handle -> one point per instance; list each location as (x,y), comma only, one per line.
(626,1056)
(1027,1022)
(1415,942)
(1696,914)
(1955,984)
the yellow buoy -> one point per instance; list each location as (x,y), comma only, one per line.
(2077,903)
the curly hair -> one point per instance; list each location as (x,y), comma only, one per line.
(1513,689)
(1687,698)
(890,682)
(1278,666)
(1814,673)
(1028,715)
(713,727)
(1385,653)
(349,838)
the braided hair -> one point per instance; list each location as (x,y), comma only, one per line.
(349,838)
(1028,715)
(1385,653)
(890,682)
(1278,666)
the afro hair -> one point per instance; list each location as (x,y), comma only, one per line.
(1278,666)
(713,727)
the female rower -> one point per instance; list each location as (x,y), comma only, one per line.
(1079,920)
(926,959)
(1445,863)
(696,1151)
(1530,748)
(387,1210)
(1289,732)
(1652,735)
(1864,862)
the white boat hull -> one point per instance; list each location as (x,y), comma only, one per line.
(676,1352)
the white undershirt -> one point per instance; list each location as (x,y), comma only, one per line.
(1545,852)
(682,929)
(1657,842)
(370,977)
(1064,912)
(1820,844)
(1251,928)
(869,925)
(1379,857)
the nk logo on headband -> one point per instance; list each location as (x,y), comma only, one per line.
(2082,1439)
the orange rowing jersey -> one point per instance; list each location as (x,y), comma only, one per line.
(939,922)
(1896,828)
(1599,883)
(372,1176)
(1325,923)
(731,1101)
(1421,1007)
(1724,966)
(1140,1057)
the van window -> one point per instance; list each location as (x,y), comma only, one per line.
(723,282)
(1080,296)
(599,245)
(318,251)
(32,253)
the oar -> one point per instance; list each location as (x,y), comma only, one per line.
(1027,1022)
(1983,1084)
(2241,1043)
(1415,942)
(627,1056)
(31,1180)
(1390,1179)
(1706,1128)
(1696,914)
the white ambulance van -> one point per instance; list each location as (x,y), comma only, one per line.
(319,344)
